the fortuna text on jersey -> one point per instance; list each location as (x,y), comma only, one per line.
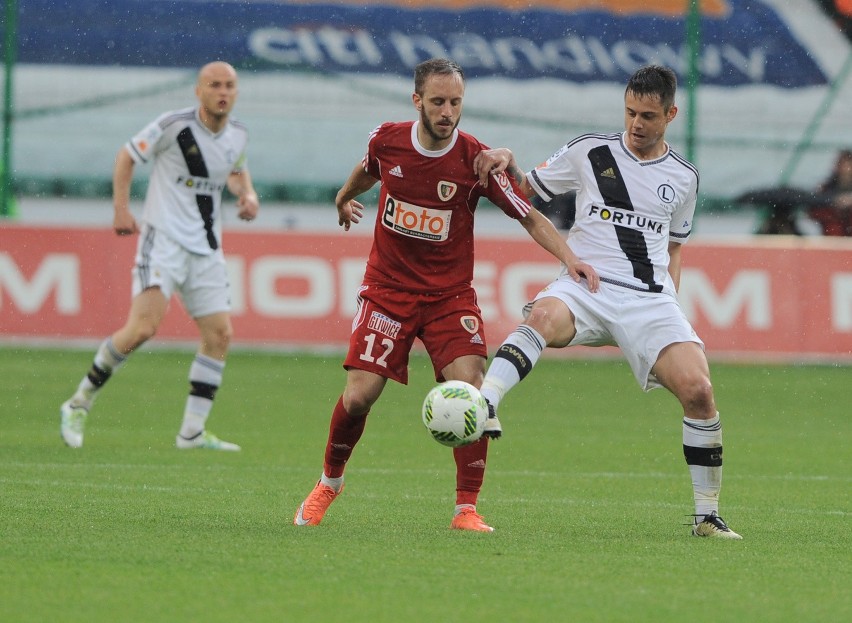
(627,219)
(199,184)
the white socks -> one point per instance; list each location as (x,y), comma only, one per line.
(702,448)
(205,377)
(512,362)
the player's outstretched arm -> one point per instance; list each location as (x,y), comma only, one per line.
(123,222)
(548,237)
(350,211)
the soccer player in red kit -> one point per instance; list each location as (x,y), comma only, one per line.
(418,278)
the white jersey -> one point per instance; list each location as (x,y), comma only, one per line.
(627,209)
(191,168)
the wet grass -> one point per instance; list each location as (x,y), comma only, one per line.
(587,491)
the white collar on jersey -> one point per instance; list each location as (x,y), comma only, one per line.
(425,152)
(205,128)
(623,140)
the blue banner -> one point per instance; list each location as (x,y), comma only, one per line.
(744,42)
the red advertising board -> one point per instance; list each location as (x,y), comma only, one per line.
(763,298)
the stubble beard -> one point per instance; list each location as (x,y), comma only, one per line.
(430,129)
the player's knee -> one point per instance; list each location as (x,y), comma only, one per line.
(540,317)
(142,332)
(223,337)
(216,341)
(557,329)
(357,403)
(696,394)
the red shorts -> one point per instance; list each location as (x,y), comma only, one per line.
(388,320)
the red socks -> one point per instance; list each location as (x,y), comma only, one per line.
(344,432)
(470,471)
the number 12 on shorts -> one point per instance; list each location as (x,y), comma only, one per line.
(369,353)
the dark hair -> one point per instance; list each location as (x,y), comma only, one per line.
(654,81)
(443,66)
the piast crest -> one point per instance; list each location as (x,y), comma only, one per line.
(470,323)
(446,190)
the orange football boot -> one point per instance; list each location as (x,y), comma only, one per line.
(469,519)
(311,511)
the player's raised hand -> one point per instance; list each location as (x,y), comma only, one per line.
(349,212)
(490,162)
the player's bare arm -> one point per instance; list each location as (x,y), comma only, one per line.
(241,186)
(123,223)
(674,263)
(548,237)
(350,211)
(490,162)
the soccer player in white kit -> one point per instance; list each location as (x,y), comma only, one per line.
(635,205)
(196,152)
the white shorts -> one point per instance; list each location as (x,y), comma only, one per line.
(640,323)
(200,280)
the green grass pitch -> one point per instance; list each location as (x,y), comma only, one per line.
(587,491)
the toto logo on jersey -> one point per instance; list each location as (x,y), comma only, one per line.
(415,221)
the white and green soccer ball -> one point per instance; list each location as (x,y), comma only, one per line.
(454,413)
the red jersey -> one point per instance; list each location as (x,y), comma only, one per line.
(423,239)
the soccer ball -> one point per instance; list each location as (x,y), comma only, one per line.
(454,413)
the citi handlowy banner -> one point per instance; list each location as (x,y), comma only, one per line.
(744,42)
(768,298)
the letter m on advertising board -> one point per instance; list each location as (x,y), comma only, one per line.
(57,273)
(748,291)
